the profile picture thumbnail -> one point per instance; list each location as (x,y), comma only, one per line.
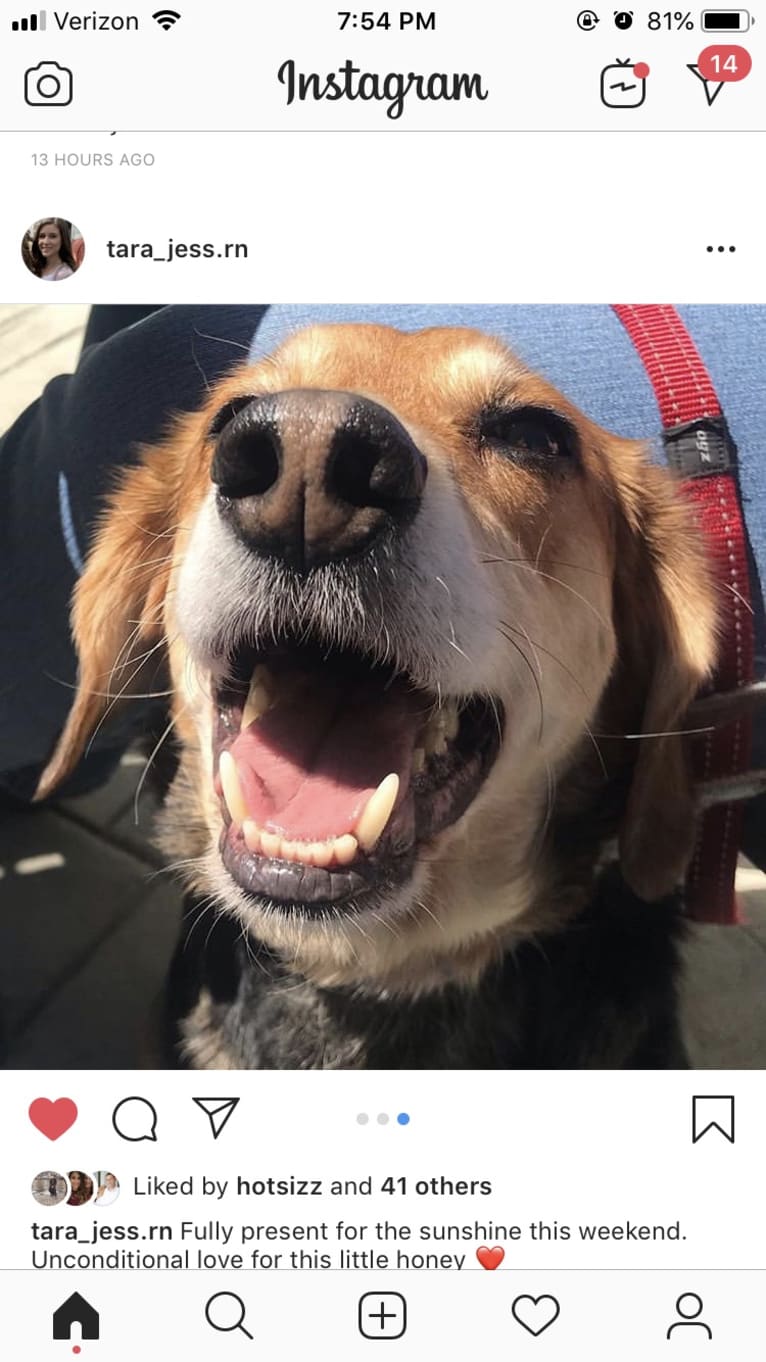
(107,1190)
(81,1188)
(53,249)
(49,1188)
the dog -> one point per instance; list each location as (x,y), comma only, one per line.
(432,636)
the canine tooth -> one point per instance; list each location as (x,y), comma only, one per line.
(252,835)
(451,723)
(259,700)
(376,813)
(345,848)
(418,760)
(434,741)
(271,843)
(232,789)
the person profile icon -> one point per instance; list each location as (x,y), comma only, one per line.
(689,1306)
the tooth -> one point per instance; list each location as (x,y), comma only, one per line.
(376,813)
(252,835)
(291,851)
(271,843)
(345,848)
(232,789)
(451,723)
(418,760)
(434,740)
(260,696)
(320,853)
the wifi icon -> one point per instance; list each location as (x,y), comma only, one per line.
(166,18)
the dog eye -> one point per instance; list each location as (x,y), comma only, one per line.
(227,414)
(529,435)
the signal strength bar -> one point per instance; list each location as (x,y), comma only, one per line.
(33,23)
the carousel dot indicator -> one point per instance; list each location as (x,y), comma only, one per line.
(403,1118)
(362,1118)
(383,1119)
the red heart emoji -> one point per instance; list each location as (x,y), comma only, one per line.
(490,1258)
(53,1118)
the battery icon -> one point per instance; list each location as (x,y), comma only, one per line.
(725,20)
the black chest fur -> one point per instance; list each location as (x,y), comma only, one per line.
(599,994)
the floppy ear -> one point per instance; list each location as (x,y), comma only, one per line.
(665,616)
(116,611)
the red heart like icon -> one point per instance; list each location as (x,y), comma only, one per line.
(53,1118)
(490,1258)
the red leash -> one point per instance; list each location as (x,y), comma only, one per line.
(698,445)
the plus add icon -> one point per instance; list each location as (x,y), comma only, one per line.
(382,1314)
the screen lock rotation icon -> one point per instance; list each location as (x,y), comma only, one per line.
(623,84)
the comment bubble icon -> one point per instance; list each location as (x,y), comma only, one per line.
(135,1119)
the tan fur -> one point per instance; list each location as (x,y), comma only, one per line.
(601,575)
(202,1042)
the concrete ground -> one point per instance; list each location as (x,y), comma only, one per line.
(88,918)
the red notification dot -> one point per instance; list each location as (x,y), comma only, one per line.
(724,63)
(640,70)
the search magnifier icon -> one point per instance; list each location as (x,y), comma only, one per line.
(226,1312)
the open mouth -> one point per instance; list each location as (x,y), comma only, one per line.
(334,772)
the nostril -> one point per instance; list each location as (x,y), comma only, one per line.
(351,467)
(227,414)
(373,461)
(248,456)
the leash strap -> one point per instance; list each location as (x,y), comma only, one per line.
(699,447)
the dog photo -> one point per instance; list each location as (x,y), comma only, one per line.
(429,637)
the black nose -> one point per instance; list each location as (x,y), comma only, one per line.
(311,477)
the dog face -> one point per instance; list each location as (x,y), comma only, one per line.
(400,582)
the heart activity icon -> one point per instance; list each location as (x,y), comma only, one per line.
(535,1313)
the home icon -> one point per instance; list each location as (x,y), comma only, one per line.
(76,1310)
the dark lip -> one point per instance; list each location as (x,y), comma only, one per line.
(434,801)
(309,891)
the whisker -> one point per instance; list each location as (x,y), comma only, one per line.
(554,562)
(108,694)
(666,733)
(223,340)
(543,538)
(739,597)
(552,656)
(166,732)
(532,673)
(119,695)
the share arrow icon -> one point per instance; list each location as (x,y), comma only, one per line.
(218,1110)
(713,88)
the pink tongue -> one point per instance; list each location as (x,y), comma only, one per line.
(308,766)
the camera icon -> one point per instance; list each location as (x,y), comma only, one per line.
(48,83)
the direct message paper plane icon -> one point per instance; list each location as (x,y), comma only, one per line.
(218,1110)
(713,88)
